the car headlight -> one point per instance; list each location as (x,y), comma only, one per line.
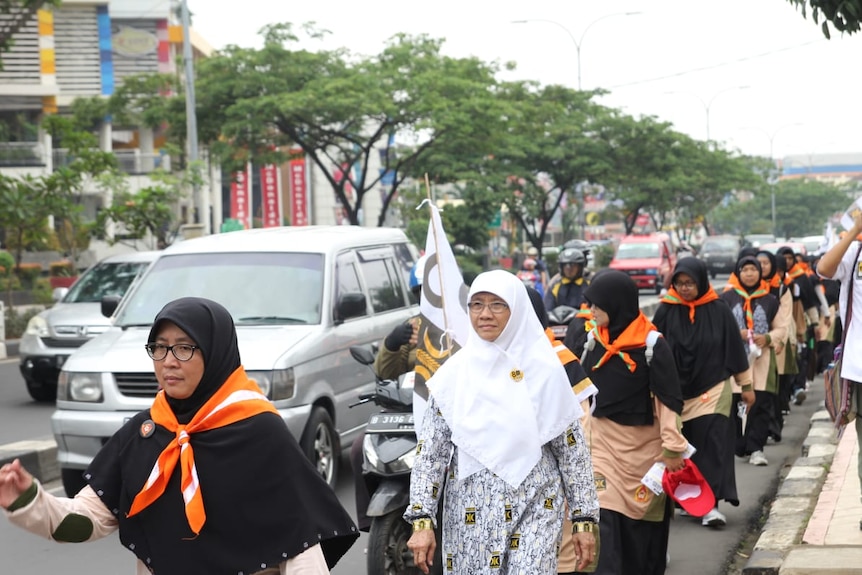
(276,384)
(37,326)
(79,386)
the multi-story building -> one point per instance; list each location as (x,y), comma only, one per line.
(86,48)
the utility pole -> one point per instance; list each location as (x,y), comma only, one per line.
(191,117)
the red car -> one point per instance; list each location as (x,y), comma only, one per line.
(648,258)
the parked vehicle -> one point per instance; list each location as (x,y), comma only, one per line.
(389,449)
(299,296)
(797,247)
(720,253)
(55,333)
(757,240)
(648,258)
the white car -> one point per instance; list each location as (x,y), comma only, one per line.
(300,297)
(76,318)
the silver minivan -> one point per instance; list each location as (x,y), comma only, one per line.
(299,296)
(54,334)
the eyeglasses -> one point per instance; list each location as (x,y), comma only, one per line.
(679,285)
(181,351)
(496,307)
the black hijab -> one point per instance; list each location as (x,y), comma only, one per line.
(744,261)
(264,501)
(538,306)
(625,397)
(773,261)
(708,350)
(614,292)
(210,326)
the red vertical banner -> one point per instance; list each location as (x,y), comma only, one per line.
(270,196)
(240,198)
(298,193)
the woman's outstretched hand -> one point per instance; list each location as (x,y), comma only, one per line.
(14,480)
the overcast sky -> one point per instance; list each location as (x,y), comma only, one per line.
(756,69)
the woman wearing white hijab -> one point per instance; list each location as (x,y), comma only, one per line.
(502,419)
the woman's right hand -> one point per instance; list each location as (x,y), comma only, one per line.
(14,480)
(423,543)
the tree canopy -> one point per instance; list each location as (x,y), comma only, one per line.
(844,15)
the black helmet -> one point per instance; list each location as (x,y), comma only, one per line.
(582,245)
(572,256)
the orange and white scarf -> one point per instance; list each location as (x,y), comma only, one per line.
(237,399)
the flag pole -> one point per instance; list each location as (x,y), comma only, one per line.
(431,207)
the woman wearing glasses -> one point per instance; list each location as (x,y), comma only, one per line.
(502,432)
(704,337)
(208,480)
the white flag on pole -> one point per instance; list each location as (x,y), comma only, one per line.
(443,307)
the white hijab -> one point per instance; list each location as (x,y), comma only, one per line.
(498,423)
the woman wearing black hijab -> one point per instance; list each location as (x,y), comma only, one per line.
(634,424)
(761,328)
(707,350)
(209,480)
(774,269)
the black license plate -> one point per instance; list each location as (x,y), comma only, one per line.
(383,422)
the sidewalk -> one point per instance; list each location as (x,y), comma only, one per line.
(813,526)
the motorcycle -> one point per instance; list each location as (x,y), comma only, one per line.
(559,318)
(389,448)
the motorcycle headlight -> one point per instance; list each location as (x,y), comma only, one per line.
(370,453)
(405,462)
(37,326)
(80,386)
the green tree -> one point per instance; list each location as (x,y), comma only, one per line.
(148,213)
(86,167)
(342,110)
(844,15)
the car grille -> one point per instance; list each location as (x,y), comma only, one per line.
(65,341)
(137,384)
(636,272)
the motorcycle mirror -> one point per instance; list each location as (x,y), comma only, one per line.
(362,355)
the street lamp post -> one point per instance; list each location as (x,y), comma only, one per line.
(772,179)
(707,104)
(578,42)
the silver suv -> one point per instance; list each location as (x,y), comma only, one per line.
(300,297)
(54,334)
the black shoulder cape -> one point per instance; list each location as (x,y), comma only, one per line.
(264,501)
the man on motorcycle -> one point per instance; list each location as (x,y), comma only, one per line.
(397,355)
(569,288)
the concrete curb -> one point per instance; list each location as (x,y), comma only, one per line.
(796,498)
(39,456)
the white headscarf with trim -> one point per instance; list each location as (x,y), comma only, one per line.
(498,423)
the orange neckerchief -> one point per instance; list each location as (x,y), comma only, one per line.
(794,272)
(237,399)
(762,290)
(633,336)
(673,297)
(564,354)
(774,282)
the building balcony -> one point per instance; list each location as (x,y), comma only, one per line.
(131,162)
(21,154)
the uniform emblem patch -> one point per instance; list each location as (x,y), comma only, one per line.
(148,428)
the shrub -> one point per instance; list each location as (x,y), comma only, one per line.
(61,269)
(43,293)
(602,255)
(7,263)
(28,273)
(16,322)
